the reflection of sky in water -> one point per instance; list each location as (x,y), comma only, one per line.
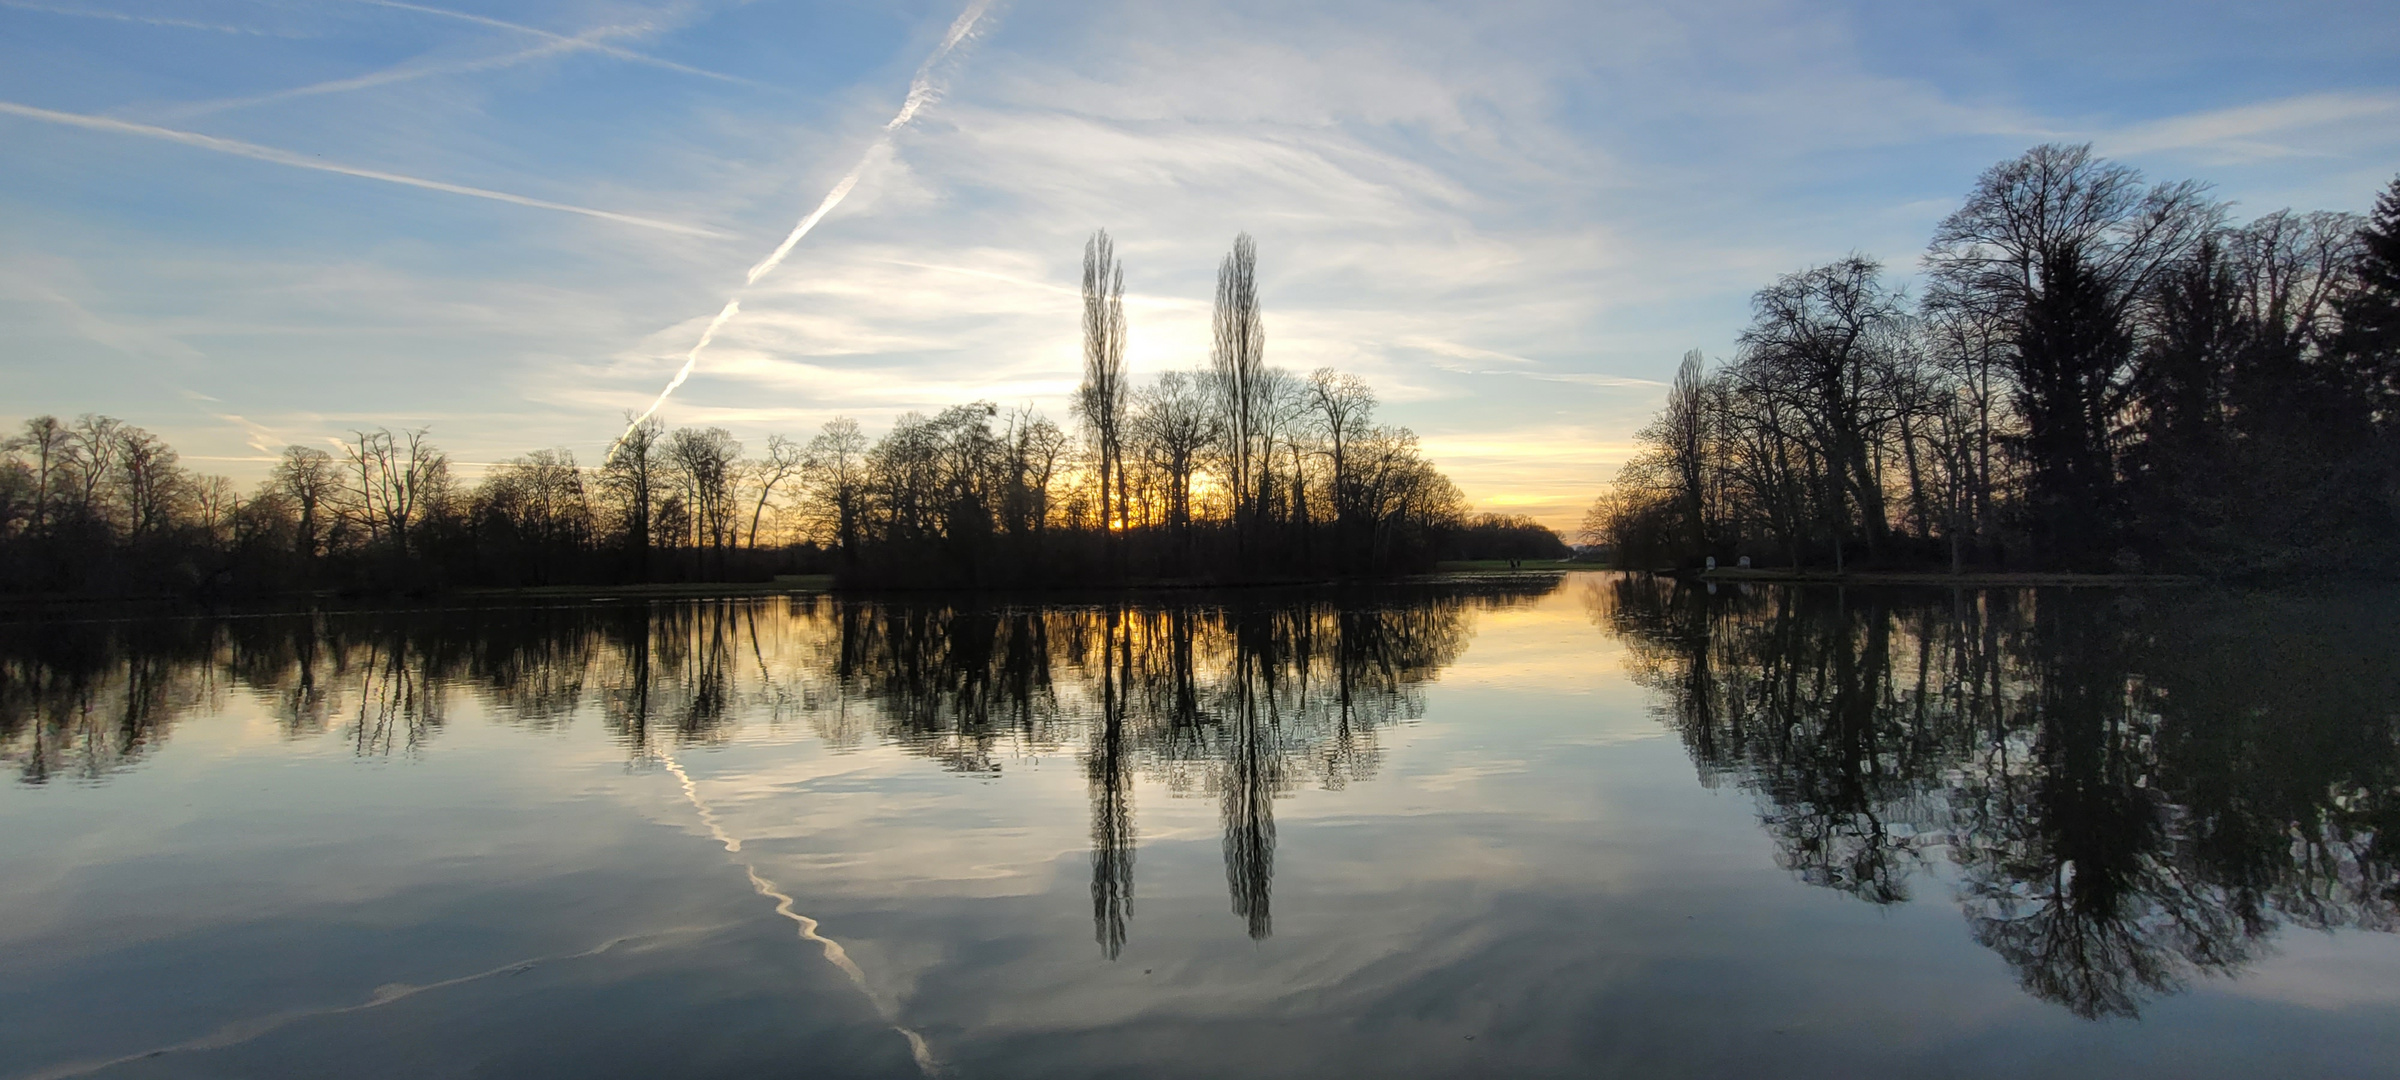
(474,858)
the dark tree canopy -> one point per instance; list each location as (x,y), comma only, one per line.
(2103,374)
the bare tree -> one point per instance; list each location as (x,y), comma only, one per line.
(216,508)
(2290,269)
(783,462)
(1685,430)
(150,480)
(703,462)
(396,481)
(1035,448)
(542,496)
(1281,409)
(17,487)
(1970,345)
(2059,201)
(306,476)
(1238,359)
(1100,401)
(837,481)
(1826,338)
(1174,424)
(2062,247)
(634,478)
(1345,408)
(47,444)
(92,446)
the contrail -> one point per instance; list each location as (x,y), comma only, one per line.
(922,91)
(834,953)
(400,74)
(599,47)
(286,157)
(145,20)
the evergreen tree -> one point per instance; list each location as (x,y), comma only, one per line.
(2370,312)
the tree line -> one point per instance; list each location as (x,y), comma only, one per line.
(1232,471)
(2103,373)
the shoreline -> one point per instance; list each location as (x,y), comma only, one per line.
(78,608)
(19,610)
(1979,578)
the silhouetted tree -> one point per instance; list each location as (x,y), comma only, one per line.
(307,477)
(1100,400)
(2103,375)
(1237,359)
(2063,247)
(2370,312)
(837,482)
(784,461)
(633,480)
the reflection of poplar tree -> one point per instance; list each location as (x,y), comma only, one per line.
(1249,795)
(304,705)
(1112,796)
(704,712)
(633,700)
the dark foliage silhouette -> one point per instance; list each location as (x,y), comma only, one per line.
(2127,792)
(2102,375)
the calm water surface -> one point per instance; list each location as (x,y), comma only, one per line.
(1590,827)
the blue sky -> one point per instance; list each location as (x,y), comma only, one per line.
(1511,218)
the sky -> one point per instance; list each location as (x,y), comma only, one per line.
(244,224)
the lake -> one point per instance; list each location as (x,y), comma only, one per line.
(1513,826)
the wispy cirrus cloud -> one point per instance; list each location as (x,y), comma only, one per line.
(267,441)
(40,282)
(2296,126)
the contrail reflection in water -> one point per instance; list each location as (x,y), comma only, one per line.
(242,1031)
(808,926)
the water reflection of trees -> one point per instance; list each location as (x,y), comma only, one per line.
(1239,699)
(2132,790)
(1243,701)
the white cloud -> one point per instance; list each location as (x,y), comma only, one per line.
(2287,127)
